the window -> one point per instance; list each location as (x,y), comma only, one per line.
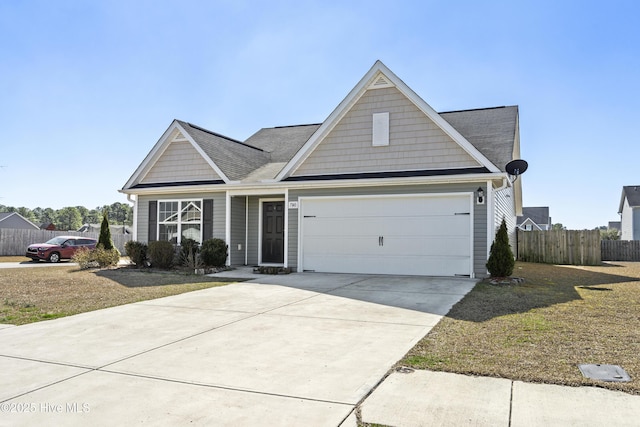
(380,129)
(180,219)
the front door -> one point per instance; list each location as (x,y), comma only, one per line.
(273,232)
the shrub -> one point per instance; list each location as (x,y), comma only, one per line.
(501,261)
(105,233)
(137,252)
(189,249)
(161,254)
(214,252)
(96,258)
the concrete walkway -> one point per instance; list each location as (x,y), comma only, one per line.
(300,349)
(425,398)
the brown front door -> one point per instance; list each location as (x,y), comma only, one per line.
(273,232)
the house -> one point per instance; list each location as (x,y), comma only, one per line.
(385,185)
(48,226)
(629,210)
(16,221)
(95,228)
(615,225)
(534,218)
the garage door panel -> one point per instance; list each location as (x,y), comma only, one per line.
(427,246)
(412,234)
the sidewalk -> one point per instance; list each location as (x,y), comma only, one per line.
(426,398)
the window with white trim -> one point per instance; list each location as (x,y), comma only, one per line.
(180,219)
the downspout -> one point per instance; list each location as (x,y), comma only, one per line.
(246,230)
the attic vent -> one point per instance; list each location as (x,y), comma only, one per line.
(380,82)
(179,137)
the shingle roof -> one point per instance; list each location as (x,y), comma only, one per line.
(3,215)
(262,155)
(491,130)
(236,159)
(282,142)
(632,193)
(539,215)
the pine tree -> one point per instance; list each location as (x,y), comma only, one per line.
(105,233)
(501,260)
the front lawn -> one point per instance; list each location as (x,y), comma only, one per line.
(32,294)
(539,331)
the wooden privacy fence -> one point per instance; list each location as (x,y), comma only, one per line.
(620,250)
(15,241)
(573,247)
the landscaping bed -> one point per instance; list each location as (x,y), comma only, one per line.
(32,294)
(541,329)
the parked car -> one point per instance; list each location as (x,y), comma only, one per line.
(61,247)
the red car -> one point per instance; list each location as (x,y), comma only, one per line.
(61,247)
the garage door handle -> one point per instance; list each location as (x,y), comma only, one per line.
(380,240)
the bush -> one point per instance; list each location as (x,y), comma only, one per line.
(189,249)
(137,252)
(161,254)
(214,252)
(96,258)
(501,261)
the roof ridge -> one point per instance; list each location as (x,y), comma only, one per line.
(477,109)
(295,126)
(219,135)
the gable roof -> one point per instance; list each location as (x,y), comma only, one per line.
(489,136)
(234,158)
(7,216)
(539,215)
(632,194)
(380,76)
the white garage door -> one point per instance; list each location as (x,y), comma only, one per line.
(410,234)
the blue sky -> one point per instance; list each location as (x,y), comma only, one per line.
(87,88)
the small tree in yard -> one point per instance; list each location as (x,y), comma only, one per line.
(501,261)
(105,233)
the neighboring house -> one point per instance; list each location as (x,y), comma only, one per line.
(16,221)
(534,218)
(48,226)
(615,225)
(95,228)
(384,185)
(629,211)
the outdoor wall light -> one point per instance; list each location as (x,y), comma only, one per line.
(480,193)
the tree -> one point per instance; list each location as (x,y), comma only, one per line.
(27,213)
(105,233)
(558,226)
(501,260)
(68,219)
(610,234)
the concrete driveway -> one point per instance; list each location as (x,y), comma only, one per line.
(300,349)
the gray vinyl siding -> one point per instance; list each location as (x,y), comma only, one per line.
(219,204)
(504,208)
(636,224)
(480,214)
(16,222)
(238,227)
(416,142)
(180,162)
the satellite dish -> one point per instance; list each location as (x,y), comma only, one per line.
(516,167)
